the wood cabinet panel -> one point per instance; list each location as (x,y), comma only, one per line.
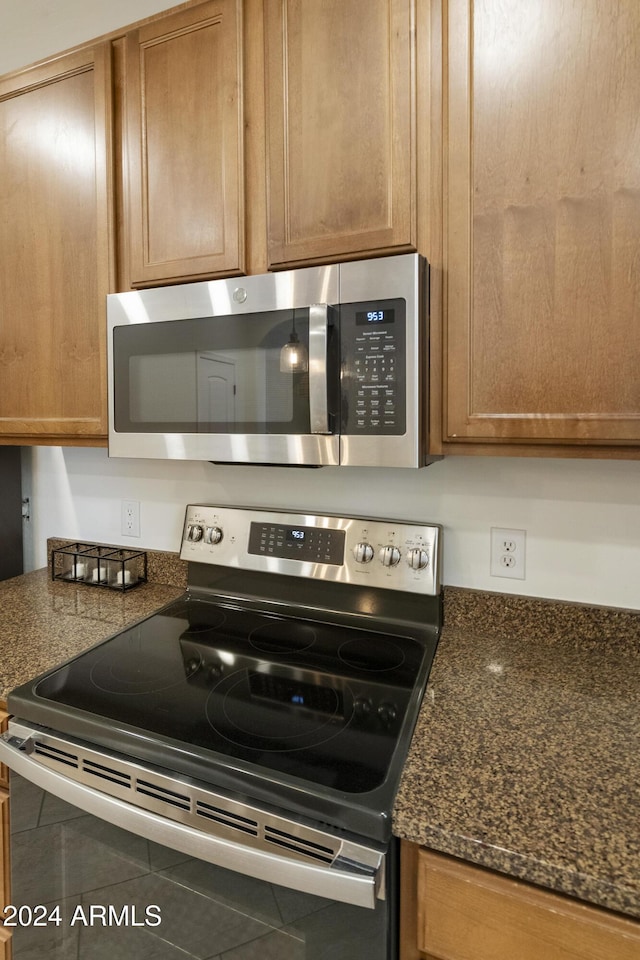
(5,859)
(340,128)
(5,893)
(184,174)
(542,221)
(4,772)
(5,862)
(5,945)
(467,913)
(56,241)
(408,920)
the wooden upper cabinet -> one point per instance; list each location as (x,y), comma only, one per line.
(183,146)
(340,128)
(542,221)
(56,235)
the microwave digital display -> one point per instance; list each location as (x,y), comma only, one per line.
(366,318)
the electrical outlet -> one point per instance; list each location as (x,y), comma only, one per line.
(130,518)
(508,553)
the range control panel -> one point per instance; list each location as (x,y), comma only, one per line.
(390,554)
(297,542)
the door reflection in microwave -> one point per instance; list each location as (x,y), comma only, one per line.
(240,384)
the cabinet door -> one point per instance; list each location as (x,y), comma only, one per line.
(56,251)
(340,128)
(542,221)
(183,144)
(467,913)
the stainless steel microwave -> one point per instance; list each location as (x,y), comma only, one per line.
(315,366)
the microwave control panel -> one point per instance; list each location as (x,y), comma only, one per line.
(373,345)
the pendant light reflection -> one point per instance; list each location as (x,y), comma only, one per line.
(293,356)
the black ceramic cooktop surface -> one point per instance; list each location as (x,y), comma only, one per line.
(310,699)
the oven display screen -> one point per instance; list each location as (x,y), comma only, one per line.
(294,693)
(306,544)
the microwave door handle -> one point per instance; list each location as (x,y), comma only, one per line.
(318,386)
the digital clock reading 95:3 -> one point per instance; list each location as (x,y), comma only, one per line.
(365,318)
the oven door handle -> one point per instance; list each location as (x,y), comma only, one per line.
(318,382)
(344,882)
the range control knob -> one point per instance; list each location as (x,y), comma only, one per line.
(387,713)
(417,558)
(213,535)
(390,556)
(195,532)
(362,707)
(215,671)
(363,552)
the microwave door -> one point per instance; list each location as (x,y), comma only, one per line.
(249,388)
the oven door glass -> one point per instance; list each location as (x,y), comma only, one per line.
(242,374)
(82,888)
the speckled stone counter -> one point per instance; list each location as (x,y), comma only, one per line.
(526,754)
(45,622)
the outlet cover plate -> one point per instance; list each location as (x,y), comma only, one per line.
(130,518)
(508,553)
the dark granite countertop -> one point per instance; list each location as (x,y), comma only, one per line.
(526,754)
(44,622)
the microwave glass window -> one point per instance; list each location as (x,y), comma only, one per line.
(213,375)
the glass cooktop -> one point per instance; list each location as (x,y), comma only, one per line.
(311,699)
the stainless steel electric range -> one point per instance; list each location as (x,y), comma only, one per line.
(259,723)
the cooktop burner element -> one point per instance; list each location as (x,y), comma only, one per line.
(234,712)
(282,637)
(293,680)
(138,669)
(371,654)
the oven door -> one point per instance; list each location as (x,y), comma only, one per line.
(98,878)
(242,371)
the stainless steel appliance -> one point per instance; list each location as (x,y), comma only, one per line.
(315,366)
(258,724)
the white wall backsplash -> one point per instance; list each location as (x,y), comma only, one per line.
(582,517)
